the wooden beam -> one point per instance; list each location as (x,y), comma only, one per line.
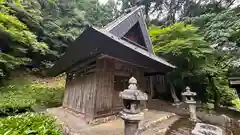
(154,73)
(107,56)
(82,62)
(82,65)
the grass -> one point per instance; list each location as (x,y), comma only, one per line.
(21,94)
(20,97)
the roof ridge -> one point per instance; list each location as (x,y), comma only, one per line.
(114,23)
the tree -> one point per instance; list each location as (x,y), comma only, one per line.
(97,14)
(198,64)
(41,30)
(19,44)
(59,23)
(221,30)
(167,12)
(183,46)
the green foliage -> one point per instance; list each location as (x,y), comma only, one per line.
(222,32)
(226,93)
(183,46)
(235,70)
(59,23)
(209,107)
(177,10)
(178,38)
(97,14)
(20,42)
(20,33)
(198,65)
(37,33)
(29,123)
(221,29)
(236,103)
(21,97)
(9,62)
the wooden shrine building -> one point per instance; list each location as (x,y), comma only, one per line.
(100,62)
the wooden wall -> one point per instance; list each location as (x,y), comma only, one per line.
(80,94)
(159,83)
(105,83)
(93,94)
(107,99)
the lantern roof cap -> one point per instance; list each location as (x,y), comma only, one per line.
(132,93)
(188,92)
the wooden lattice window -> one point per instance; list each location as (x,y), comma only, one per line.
(120,82)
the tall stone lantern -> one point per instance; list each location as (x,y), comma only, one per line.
(131,113)
(189,99)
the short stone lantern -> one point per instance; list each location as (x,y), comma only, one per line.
(189,99)
(131,113)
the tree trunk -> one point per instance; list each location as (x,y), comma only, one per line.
(173,93)
(216,94)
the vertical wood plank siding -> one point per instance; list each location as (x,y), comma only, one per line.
(160,83)
(105,84)
(79,94)
(93,94)
(107,99)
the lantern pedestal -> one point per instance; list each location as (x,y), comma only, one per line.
(131,122)
(192,110)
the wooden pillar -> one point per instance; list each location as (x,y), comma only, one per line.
(151,87)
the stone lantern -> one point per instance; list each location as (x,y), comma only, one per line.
(189,99)
(131,113)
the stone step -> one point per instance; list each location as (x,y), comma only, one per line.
(161,127)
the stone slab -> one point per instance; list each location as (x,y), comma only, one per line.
(206,129)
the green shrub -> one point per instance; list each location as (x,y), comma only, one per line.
(29,124)
(236,103)
(209,107)
(9,110)
(21,96)
(227,97)
(14,101)
(227,94)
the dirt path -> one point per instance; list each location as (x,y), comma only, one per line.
(77,126)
